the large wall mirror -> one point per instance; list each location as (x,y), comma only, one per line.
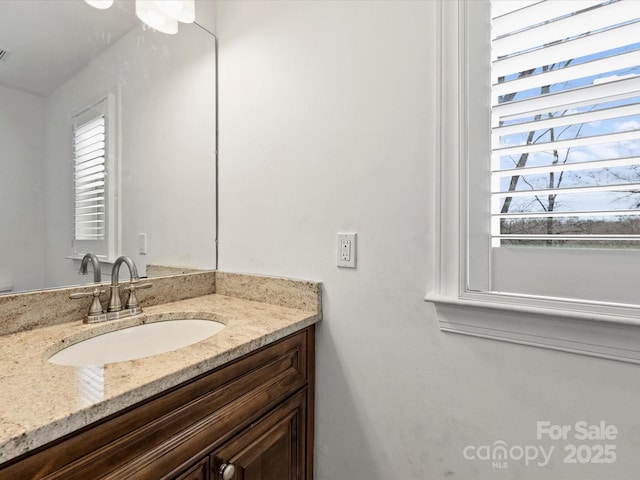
(60,58)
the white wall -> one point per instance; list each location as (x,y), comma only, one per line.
(21,209)
(327,125)
(166,89)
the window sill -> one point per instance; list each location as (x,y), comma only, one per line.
(604,335)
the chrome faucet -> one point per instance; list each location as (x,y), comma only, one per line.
(97,276)
(96,313)
(131,306)
(114,310)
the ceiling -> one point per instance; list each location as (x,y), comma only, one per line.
(48,41)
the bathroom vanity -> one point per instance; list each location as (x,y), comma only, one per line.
(238,405)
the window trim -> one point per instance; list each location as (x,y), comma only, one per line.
(590,328)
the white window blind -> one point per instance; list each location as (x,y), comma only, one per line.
(89,147)
(581,300)
(565,120)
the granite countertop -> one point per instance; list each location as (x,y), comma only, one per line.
(41,401)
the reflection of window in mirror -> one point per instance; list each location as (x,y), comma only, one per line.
(95,179)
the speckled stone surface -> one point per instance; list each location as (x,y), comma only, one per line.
(164,270)
(25,311)
(40,401)
(276,291)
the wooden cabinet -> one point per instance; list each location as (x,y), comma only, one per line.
(200,471)
(272,449)
(254,416)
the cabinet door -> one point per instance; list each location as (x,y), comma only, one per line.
(199,471)
(271,449)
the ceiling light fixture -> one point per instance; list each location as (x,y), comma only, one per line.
(100,4)
(161,15)
(182,10)
(149,12)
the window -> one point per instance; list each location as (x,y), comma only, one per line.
(95,180)
(565,165)
(540,103)
(89,145)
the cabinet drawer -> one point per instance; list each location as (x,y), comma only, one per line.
(162,436)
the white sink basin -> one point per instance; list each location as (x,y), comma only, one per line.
(137,342)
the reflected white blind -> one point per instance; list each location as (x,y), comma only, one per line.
(89,140)
(565,123)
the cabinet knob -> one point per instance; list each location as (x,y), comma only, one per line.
(227,471)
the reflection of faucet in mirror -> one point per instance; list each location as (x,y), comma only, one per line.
(97,276)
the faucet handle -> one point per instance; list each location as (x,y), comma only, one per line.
(132,301)
(96,306)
